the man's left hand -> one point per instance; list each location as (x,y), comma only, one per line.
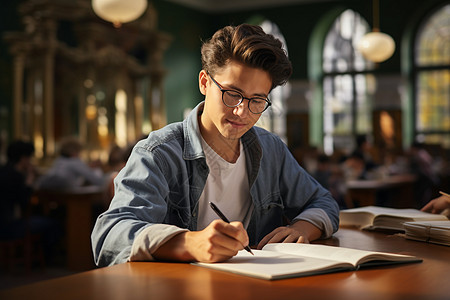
(299,232)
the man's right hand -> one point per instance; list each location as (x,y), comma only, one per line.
(217,242)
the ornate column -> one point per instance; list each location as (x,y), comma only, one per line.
(19,63)
(48,92)
(156,88)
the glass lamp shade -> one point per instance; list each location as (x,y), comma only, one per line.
(119,11)
(376,46)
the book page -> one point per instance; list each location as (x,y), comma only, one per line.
(361,219)
(348,255)
(272,265)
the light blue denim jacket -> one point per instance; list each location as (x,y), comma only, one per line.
(165,176)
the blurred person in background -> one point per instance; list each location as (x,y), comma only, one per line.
(421,164)
(16,181)
(17,219)
(69,171)
(364,149)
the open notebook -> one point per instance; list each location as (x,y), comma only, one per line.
(286,260)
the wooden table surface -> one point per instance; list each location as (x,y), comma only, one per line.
(156,280)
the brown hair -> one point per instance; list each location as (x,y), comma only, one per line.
(70,146)
(250,45)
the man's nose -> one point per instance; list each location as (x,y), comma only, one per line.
(242,109)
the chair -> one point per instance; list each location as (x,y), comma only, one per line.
(79,221)
(22,252)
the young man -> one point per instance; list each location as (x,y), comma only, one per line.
(160,209)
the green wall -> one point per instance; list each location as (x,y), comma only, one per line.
(182,59)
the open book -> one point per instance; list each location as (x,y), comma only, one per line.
(437,232)
(286,260)
(374,217)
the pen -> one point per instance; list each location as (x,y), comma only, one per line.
(445,194)
(222,216)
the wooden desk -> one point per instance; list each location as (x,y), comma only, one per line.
(399,188)
(150,280)
(79,222)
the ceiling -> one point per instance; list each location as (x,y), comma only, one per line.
(238,5)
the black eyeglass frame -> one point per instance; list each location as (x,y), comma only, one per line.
(268,103)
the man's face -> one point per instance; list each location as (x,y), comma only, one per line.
(231,122)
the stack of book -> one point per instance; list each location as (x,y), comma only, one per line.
(437,232)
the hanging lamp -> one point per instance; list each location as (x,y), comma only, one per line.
(376,46)
(119,11)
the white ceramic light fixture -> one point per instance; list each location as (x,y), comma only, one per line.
(119,11)
(376,46)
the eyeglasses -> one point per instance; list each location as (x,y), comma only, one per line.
(232,98)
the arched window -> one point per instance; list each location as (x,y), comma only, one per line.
(432,79)
(348,85)
(274,119)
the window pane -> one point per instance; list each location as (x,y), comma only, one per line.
(433,101)
(339,92)
(364,103)
(347,106)
(432,57)
(274,119)
(340,53)
(433,39)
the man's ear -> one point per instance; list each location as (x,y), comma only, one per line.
(202,81)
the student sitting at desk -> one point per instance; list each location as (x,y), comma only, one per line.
(69,171)
(160,208)
(17,218)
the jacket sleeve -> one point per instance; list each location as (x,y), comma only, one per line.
(137,206)
(304,195)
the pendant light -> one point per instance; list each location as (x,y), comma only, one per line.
(376,46)
(119,11)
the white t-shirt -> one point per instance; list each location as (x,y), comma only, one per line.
(227,186)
